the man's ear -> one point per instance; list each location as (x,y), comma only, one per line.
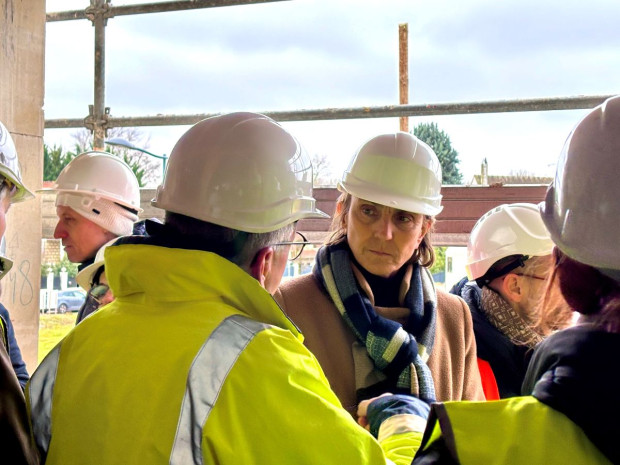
(262,264)
(512,287)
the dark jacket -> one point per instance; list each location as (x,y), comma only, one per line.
(89,305)
(19,367)
(508,360)
(576,372)
(17,444)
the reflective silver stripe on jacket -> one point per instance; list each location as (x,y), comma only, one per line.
(40,391)
(206,377)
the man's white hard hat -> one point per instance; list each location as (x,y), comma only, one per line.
(242,171)
(102,175)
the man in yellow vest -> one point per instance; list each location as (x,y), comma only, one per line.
(194,362)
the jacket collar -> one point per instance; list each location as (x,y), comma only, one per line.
(142,273)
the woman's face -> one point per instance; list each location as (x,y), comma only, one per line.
(381,238)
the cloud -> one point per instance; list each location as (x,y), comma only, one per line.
(318,54)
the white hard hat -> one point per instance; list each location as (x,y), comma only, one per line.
(242,171)
(504,231)
(397,170)
(85,276)
(582,206)
(101,175)
(9,166)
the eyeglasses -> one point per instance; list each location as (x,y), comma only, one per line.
(98,291)
(542,278)
(297,246)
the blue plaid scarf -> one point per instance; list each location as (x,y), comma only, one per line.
(401,354)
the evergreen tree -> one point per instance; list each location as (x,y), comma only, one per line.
(439,141)
(54,160)
(440,260)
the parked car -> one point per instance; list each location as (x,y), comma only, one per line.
(70,300)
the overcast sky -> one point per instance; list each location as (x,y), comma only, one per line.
(335,53)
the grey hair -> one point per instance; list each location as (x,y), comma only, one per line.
(239,247)
(258,241)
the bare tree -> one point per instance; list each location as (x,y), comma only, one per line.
(143,165)
(322,172)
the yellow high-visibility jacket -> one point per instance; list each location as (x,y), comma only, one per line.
(193,363)
(515,431)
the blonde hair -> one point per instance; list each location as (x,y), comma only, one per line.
(549,311)
(423,254)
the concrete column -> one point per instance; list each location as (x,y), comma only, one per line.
(22,58)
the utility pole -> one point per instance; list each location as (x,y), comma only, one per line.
(403,62)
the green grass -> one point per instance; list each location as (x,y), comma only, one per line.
(52,328)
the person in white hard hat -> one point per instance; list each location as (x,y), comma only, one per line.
(193,361)
(508,265)
(571,410)
(17,446)
(97,199)
(370,311)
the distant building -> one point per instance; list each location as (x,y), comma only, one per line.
(456,259)
(484,179)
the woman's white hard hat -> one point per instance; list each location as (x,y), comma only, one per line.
(397,170)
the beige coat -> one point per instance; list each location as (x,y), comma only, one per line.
(452,362)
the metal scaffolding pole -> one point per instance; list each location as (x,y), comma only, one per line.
(97,119)
(403,71)
(154,8)
(499,106)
